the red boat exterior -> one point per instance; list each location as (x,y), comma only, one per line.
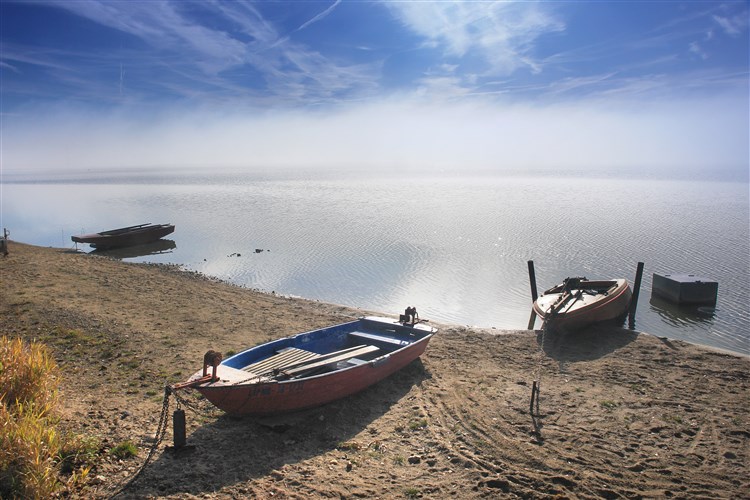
(254,397)
(125,236)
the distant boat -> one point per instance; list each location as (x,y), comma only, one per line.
(312,368)
(125,236)
(578,302)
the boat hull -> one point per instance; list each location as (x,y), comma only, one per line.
(269,397)
(597,301)
(125,237)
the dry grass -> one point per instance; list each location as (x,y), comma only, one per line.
(36,460)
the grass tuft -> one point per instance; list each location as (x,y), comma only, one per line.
(34,456)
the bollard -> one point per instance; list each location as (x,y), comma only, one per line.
(178,427)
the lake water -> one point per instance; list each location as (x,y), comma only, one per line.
(456,247)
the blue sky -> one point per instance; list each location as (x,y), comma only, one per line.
(370,84)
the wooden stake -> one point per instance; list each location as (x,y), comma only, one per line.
(532,280)
(636,292)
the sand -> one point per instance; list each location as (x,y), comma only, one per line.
(622,414)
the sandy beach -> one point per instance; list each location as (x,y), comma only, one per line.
(622,414)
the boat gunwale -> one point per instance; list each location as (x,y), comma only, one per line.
(258,380)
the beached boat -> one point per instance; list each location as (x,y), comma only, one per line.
(125,236)
(312,368)
(578,302)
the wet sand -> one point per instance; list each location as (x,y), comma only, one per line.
(622,414)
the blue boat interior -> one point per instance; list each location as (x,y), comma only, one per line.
(327,349)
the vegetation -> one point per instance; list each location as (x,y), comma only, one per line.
(412,492)
(126,449)
(36,459)
(609,404)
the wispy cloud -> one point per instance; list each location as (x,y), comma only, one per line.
(320,16)
(262,54)
(207,56)
(732,26)
(502,33)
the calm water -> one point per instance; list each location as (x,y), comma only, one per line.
(454,247)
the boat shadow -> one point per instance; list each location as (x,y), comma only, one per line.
(588,344)
(229,450)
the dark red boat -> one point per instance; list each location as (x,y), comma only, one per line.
(125,236)
(312,368)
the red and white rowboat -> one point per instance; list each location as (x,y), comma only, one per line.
(578,302)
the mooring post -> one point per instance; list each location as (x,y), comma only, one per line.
(634,299)
(4,242)
(532,280)
(534,394)
(178,427)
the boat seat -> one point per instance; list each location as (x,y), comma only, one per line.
(379,338)
(233,375)
(335,357)
(284,357)
(356,362)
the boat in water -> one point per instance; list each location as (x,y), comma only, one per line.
(312,368)
(579,302)
(125,236)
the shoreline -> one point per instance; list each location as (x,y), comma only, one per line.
(622,413)
(486,329)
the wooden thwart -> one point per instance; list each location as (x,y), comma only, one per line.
(330,359)
(286,357)
(379,338)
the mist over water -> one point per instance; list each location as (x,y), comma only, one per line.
(454,246)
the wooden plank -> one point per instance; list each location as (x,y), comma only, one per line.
(379,338)
(284,357)
(321,357)
(233,375)
(335,358)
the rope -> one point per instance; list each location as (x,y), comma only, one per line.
(536,387)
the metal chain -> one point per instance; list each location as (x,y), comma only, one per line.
(158,438)
(194,406)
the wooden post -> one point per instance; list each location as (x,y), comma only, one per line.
(4,242)
(636,292)
(534,394)
(178,427)
(532,280)
(532,320)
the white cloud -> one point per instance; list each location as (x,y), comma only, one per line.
(732,26)
(320,16)
(500,32)
(200,53)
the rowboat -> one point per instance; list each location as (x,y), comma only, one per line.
(312,368)
(579,302)
(125,236)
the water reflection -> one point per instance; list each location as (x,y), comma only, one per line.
(461,257)
(682,314)
(147,249)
